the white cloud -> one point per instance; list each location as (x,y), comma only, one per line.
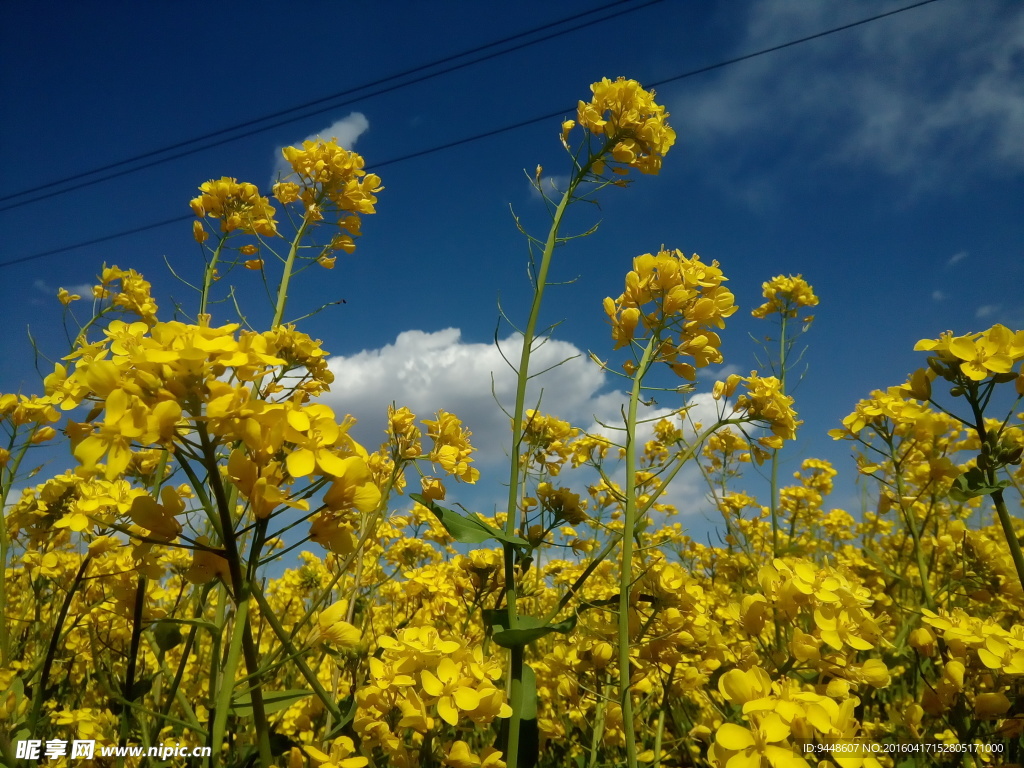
(702,411)
(718,373)
(553,185)
(938,296)
(987,310)
(932,94)
(82,289)
(956,258)
(428,371)
(346,130)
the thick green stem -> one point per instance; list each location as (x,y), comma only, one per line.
(626,570)
(259,713)
(7,475)
(51,651)
(289,267)
(1011,535)
(208,275)
(598,733)
(128,691)
(516,656)
(242,638)
(1005,521)
(774,499)
(659,734)
(282,635)
(227,683)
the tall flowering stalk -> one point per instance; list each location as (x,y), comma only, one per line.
(623,128)
(785,298)
(228,410)
(975,364)
(332,188)
(143,605)
(669,313)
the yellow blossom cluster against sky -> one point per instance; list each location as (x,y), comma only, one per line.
(235,560)
(881,162)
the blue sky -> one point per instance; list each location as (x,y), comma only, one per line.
(884,163)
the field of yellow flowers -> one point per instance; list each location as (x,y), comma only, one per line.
(225,567)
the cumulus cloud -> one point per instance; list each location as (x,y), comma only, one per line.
(346,130)
(719,373)
(931,94)
(428,371)
(82,289)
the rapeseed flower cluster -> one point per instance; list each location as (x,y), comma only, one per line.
(238,206)
(146,596)
(786,295)
(632,123)
(677,299)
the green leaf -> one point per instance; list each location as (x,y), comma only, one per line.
(469,528)
(140,688)
(495,618)
(348,707)
(530,628)
(529,693)
(167,636)
(281,744)
(273,701)
(208,626)
(973,483)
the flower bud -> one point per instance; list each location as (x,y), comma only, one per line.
(922,641)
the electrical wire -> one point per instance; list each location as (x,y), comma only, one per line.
(498,131)
(51,193)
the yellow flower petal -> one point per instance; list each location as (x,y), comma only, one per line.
(734,737)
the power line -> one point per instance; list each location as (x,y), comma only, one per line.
(791,43)
(504,129)
(50,193)
(96,240)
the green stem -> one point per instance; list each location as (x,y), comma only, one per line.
(172,695)
(133,657)
(7,476)
(227,684)
(651,501)
(658,735)
(282,635)
(289,267)
(626,570)
(774,500)
(240,588)
(1005,521)
(259,713)
(186,651)
(51,651)
(598,734)
(1011,536)
(516,656)
(211,269)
